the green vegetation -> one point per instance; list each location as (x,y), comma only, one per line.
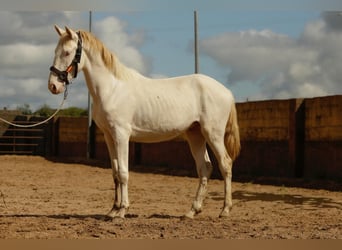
(73,111)
(24,109)
(45,111)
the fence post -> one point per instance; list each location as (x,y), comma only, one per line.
(296,137)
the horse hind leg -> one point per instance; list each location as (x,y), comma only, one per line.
(225,163)
(226,171)
(204,167)
(215,137)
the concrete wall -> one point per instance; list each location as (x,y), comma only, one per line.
(280,138)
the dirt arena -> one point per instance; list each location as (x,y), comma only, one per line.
(49,200)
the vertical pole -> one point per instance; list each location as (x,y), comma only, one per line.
(196,42)
(91,125)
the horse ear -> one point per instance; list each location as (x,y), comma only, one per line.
(59,30)
(71,33)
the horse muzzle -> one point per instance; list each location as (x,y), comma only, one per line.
(56,88)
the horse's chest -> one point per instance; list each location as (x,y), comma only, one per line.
(110,118)
(101,118)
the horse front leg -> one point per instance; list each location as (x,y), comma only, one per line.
(117,197)
(114,164)
(121,147)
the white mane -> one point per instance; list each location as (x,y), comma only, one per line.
(95,46)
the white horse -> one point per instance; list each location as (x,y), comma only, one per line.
(130,107)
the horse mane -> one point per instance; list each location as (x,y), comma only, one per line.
(112,63)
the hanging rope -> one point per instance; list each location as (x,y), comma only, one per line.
(42,122)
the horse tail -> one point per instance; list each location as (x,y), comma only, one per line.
(232,135)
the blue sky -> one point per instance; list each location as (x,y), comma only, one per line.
(170,36)
(259,49)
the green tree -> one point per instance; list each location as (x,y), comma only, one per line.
(44,111)
(25,109)
(74,112)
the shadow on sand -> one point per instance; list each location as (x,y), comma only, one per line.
(291,199)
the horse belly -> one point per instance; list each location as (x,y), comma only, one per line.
(163,123)
(152,131)
(151,137)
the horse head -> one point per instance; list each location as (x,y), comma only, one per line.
(67,61)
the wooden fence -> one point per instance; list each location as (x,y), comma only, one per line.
(279,138)
(15,140)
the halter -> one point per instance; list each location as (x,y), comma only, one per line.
(63,75)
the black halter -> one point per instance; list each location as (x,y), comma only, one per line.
(63,75)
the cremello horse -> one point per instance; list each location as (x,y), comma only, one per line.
(130,107)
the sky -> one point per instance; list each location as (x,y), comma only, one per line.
(260,52)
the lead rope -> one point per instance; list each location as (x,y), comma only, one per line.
(46,120)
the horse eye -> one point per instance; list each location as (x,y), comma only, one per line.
(67,53)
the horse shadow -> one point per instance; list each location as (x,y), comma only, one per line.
(290,199)
(99,217)
(164,216)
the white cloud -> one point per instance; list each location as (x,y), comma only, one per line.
(282,66)
(25,60)
(111,31)
(27,44)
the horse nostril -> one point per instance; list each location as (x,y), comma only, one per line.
(53,88)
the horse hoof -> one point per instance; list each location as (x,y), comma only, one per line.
(189,216)
(117,213)
(224,213)
(112,214)
(186,217)
(121,213)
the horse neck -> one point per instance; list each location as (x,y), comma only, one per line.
(98,76)
(97,72)
(95,76)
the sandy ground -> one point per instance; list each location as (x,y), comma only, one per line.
(46,199)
